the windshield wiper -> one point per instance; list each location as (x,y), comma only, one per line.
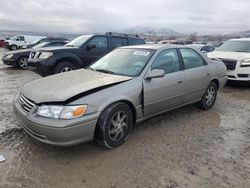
(242,51)
(104,71)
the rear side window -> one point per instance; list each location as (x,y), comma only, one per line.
(118,41)
(135,41)
(191,58)
(168,61)
(100,42)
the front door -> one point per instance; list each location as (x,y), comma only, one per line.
(161,94)
(100,49)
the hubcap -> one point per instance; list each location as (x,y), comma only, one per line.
(23,63)
(210,96)
(118,126)
(66,69)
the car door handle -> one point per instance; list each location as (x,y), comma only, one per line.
(180,81)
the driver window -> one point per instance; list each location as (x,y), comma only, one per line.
(100,42)
(168,61)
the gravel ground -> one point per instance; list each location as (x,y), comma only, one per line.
(186,147)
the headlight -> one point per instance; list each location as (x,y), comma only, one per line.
(9,56)
(61,112)
(245,63)
(45,55)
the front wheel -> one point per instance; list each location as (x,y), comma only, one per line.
(22,63)
(114,125)
(13,47)
(64,67)
(209,97)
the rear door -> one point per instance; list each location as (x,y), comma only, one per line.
(196,74)
(118,42)
(161,94)
(90,55)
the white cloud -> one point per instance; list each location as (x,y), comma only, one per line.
(184,16)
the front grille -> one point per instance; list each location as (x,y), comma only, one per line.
(25,103)
(230,64)
(34,55)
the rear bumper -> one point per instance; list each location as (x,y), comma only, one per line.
(66,133)
(223,81)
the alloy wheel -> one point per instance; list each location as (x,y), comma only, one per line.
(23,63)
(210,96)
(118,126)
(66,69)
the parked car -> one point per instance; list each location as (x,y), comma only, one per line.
(19,58)
(1,43)
(235,53)
(79,52)
(41,40)
(215,44)
(128,85)
(17,41)
(182,42)
(202,47)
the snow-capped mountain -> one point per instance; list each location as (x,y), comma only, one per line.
(147,30)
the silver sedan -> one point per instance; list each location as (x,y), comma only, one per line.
(104,101)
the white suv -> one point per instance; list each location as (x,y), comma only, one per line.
(235,54)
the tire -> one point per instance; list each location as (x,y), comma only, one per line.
(13,47)
(209,97)
(64,67)
(22,63)
(114,125)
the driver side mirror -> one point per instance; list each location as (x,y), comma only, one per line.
(91,46)
(156,73)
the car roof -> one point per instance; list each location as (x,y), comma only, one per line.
(240,39)
(153,46)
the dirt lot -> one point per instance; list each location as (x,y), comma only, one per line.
(183,148)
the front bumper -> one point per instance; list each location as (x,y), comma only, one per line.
(54,131)
(40,66)
(8,61)
(241,74)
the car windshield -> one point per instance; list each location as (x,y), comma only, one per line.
(77,42)
(235,46)
(35,41)
(39,45)
(126,62)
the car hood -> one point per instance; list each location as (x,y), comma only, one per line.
(18,51)
(58,48)
(228,55)
(63,86)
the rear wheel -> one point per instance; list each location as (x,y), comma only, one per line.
(64,67)
(22,63)
(209,97)
(114,125)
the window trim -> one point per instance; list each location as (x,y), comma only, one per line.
(183,64)
(180,61)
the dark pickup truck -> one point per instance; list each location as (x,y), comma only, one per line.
(79,52)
